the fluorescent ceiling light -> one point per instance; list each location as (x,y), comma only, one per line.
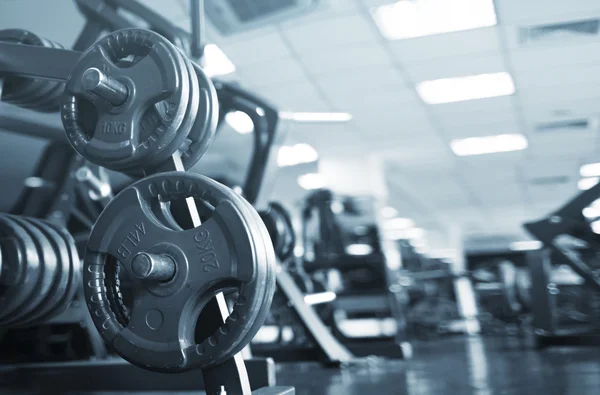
(526,245)
(418,18)
(596,227)
(399,223)
(472,87)
(590,170)
(240,122)
(586,183)
(312,181)
(488,144)
(359,249)
(216,63)
(316,116)
(591,212)
(388,212)
(291,155)
(318,298)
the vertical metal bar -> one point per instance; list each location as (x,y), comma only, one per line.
(198,29)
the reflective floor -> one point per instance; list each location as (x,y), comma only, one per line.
(459,366)
(462,366)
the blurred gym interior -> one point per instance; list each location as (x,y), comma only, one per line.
(299,197)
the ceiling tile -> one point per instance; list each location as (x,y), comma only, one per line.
(456,67)
(461,127)
(562,144)
(273,73)
(475,111)
(399,102)
(344,86)
(558,76)
(334,33)
(470,42)
(569,54)
(324,10)
(295,96)
(558,94)
(251,51)
(335,60)
(540,11)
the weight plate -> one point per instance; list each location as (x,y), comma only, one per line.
(271,264)
(24,271)
(156,75)
(13,273)
(74,284)
(264,252)
(219,254)
(190,115)
(39,302)
(55,301)
(205,126)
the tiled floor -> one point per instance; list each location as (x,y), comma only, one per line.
(459,366)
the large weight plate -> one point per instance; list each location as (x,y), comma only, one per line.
(157,74)
(221,253)
(21,272)
(39,302)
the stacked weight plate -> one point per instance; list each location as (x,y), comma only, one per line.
(40,271)
(166,105)
(36,94)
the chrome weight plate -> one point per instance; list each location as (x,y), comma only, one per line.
(125,101)
(176,273)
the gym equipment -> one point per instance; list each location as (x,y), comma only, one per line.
(98,129)
(40,271)
(567,239)
(138,125)
(96,82)
(364,291)
(268,136)
(279,225)
(37,94)
(170,287)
